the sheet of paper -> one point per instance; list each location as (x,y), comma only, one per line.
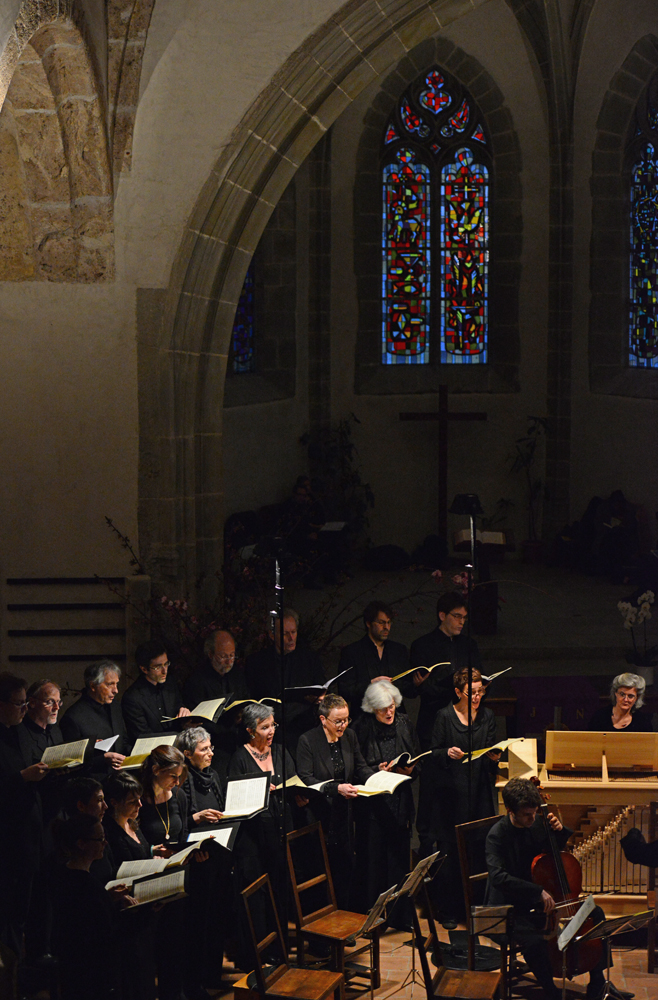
(145,744)
(503,745)
(208,709)
(159,888)
(294,782)
(65,755)
(134,869)
(180,856)
(245,795)
(382,781)
(222,835)
(128,880)
(576,923)
(321,785)
(106,745)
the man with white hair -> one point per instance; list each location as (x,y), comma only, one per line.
(39,729)
(96,715)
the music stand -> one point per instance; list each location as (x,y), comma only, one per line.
(418,878)
(612,927)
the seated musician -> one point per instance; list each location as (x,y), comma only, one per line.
(626,697)
(512,845)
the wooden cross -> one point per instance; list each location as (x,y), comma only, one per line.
(443,416)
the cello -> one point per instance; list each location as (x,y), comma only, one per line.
(560,874)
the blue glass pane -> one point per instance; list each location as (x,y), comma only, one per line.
(643,332)
(243,327)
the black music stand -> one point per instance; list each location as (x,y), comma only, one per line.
(419,878)
(613,927)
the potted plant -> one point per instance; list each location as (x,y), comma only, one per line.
(523,462)
(642,656)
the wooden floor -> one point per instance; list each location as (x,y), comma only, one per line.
(628,974)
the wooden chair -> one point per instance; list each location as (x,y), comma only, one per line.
(326,924)
(457,984)
(483,919)
(280,981)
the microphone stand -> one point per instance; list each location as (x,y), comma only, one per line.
(277,615)
(469,665)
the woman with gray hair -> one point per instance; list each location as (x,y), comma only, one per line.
(258,847)
(626,697)
(383,829)
(202,790)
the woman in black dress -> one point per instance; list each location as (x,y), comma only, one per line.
(450,784)
(85,915)
(163,817)
(258,845)
(202,790)
(383,829)
(205,801)
(626,696)
(330,753)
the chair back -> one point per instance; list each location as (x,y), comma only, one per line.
(309,870)
(473,868)
(261,913)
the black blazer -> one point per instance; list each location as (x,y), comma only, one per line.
(314,763)
(363,658)
(87,719)
(33,740)
(144,705)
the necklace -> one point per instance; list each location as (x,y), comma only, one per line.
(168,823)
(257,754)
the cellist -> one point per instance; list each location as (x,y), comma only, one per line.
(512,844)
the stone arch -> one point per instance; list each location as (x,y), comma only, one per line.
(501,374)
(609,372)
(181,516)
(58,225)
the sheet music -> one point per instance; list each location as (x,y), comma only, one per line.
(65,755)
(576,923)
(245,795)
(222,836)
(134,869)
(160,888)
(146,744)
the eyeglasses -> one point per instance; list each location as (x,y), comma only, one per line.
(98,840)
(18,704)
(459,618)
(223,656)
(160,666)
(206,750)
(339,723)
(52,703)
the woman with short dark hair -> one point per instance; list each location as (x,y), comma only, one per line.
(449,784)
(330,753)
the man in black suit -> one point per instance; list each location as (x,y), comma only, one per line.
(445,644)
(375,657)
(154,695)
(218,677)
(301,665)
(39,728)
(96,715)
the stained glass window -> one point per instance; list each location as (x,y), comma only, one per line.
(242,341)
(643,319)
(435,226)
(464,260)
(406,268)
